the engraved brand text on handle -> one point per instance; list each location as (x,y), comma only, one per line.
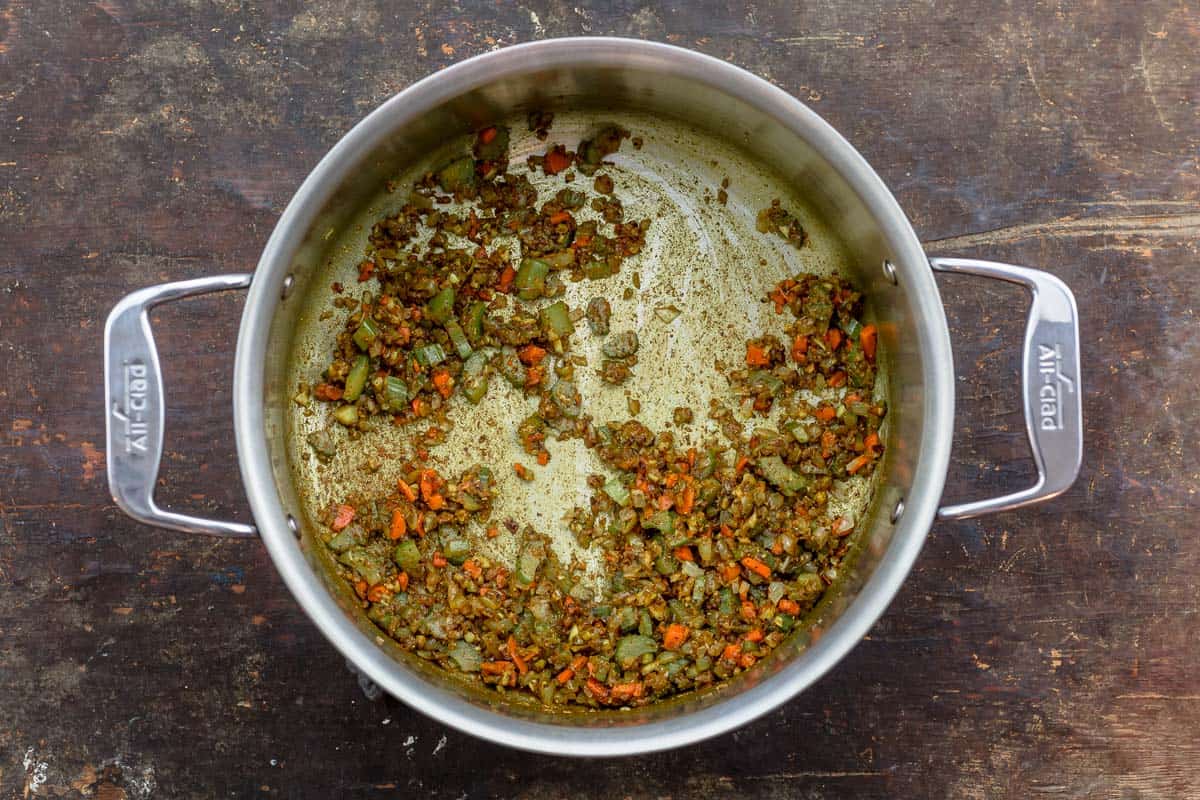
(1054,382)
(132,410)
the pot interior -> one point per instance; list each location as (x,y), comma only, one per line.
(702,256)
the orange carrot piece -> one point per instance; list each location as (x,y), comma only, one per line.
(493,532)
(686,500)
(377,593)
(556,161)
(837,379)
(871,442)
(730,573)
(755,635)
(858,463)
(628,691)
(543,457)
(596,689)
(684,553)
(741,464)
(472,568)
(506,279)
(398,527)
(799,349)
(833,337)
(439,560)
(565,675)
(726,531)
(867,336)
(407,491)
(749,611)
(825,413)
(756,356)
(561,216)
(731,652)
(443,383)
(495,667)
(788,606)
(756,566)
(828,443)
(343,517)
(402,581)
(522,667)
(531,355)
(675,636)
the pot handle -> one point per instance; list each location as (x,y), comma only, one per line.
(1050,384)
(134,408)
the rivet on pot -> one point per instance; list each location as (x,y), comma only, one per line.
(293,525)
(898,511)
(288,283)
(889,272)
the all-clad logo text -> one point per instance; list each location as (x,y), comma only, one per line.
(1054,383)
(132,412)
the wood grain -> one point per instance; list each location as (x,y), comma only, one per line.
(1050,651)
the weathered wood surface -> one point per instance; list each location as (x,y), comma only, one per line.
(1046,652)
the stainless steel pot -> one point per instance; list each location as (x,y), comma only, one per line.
(886,261)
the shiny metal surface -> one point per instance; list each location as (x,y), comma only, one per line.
(135,409)
(718,99)
(557,75)
(1050,384)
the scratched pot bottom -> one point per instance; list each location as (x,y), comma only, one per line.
(704,258)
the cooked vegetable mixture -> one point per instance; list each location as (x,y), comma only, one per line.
(713,552)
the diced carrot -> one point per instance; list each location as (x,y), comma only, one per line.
(747,660)
(833,337)
(421,524)
(406,490)
(828,443)
(858,463)
(779,298)
(486,135)
(675,636)
(726,531)
(756,566)
(596,689)
(531,355)
(756,356)
(377,593)
(741,464)
(777,546)
(755,635)
(730,573)
(543,457)
(495,667)
(687,499)
(365,270)
(327,391)
(522,471)
(628,691)
(664,502)
(825,413)
(402,581)
(360,589)
(871,442)
(506,279)
(684,553)
(799,349)
(493,532)
(732,652)
(867,336)
(581,241)
(429,483)
(513,653)
(439,560)
(837,379)
(399,527)
(788,606)
(556,161)
(443,383)
(343,517)
(533,376)
(472,568)
(565,675)
(561,216)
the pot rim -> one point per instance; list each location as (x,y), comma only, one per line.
(254,453)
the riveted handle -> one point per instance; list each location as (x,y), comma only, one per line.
(1050,382)
(134,407)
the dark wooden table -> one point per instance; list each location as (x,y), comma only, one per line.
(1045,652)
